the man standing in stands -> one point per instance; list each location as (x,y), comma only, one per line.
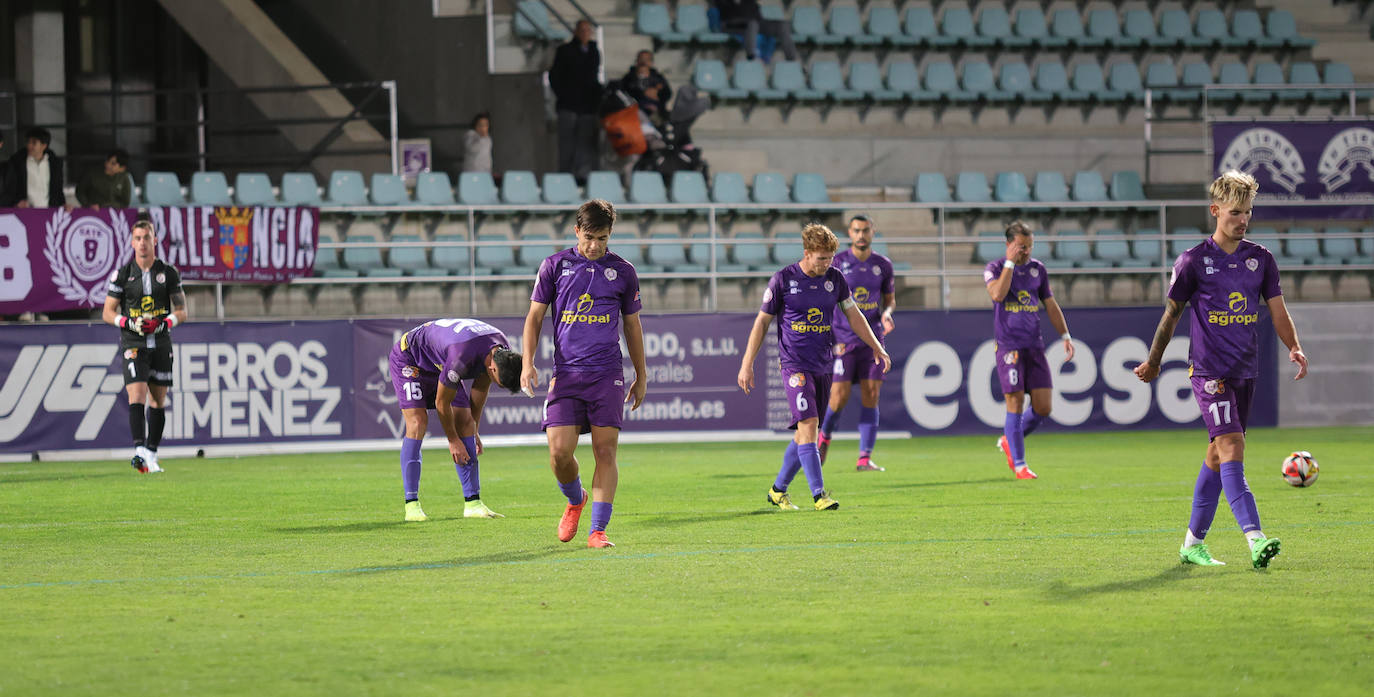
(145,301)
(109,187)
(744,17)
(35,175)
(576,83)
(870,279)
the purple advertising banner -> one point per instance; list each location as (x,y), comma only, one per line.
(276,382)
(1332,161)
(53,259)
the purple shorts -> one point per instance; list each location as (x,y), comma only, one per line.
(855,362)
(415,388)
(807,394)
(1225,403)
(585,400)
(1024,369)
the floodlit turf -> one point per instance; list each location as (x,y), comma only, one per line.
(295,575)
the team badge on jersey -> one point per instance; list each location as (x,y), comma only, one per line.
(409,371)
(1034,272)
(840,349)
(796,380)
(1214,387)
(1010,358)
(610,274)
(161,278)
(877,271)
(829,286)
(767,294)
(130,354)
(1252,264)
(453,376)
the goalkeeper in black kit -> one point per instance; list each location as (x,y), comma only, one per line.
(146,301)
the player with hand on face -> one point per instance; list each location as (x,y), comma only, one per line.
(428,366)
(1225,280)
(145,300)
(804,297)
(870,277)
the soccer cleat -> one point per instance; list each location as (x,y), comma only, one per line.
(781,499)
(150,457)
(825,503)
(822,445)
(414,514)
(567,525)
(477,509)
(1006,450)
(867,465)
(598,539)
(1024,472)
(1199,555)
(1264,551)
(138,463)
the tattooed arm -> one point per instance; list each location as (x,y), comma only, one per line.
(1149,370)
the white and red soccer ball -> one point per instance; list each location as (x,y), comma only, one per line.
(1300,469)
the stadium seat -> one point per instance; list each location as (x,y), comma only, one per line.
(931,187)
(1184,238)
(940,82)
(789,78)
(1146,249)
(1175,30)
(560,189)
(918,24)
(1126,186)
(477,189)
(956,24)
(1011,187)
(1104,29)
(694,25)
(327,265)
(808,27)
(749,254)
(1030,27)
(866,78)
(709,76)
(1138,26)
(531,21)
(496,259)
(727,188)
(1088,186)
(367,261)
(162,189)
(1088,81)
(647,188)
(346,188)
(412,260)
(1161,78)
(749,78)
(991,245)
(652,19)
(1248,30)
(846,24)
(885,25)
(670,257)
(1015,80)
(1303,245)
(1050,187)
(1340,250)
(210,189)
(454,260)
(903,77)
(1113,252)
(808,187)
(1051,77)
(1123,83)
(1340,74)
(532,255)
(1071,252)
(827,82)
(1211,30)
(977,82)
(972,187)
(433,189)
(1280,25)
(388,190)
(1267,73)
(519,187)
(689,187)
(1196,76)
(1066,28)
(1303,73)
(253,189)
(786,250)
(300,189)
(771,187)
(1232,73)
(1268,238)
(994,26)
(605,185)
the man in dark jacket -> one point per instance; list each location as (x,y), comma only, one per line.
(35,175)
(575,80)
(108,187)
(743,17)
(648,87)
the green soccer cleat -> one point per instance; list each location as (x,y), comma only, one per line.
(825,503)
(1198,554)
(1263,551)
(781,500)
(414,514)
(477,509)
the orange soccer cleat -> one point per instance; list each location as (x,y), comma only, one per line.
(598,539)
(1006,450)
(567,525)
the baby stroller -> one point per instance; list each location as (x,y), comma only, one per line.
(672,151)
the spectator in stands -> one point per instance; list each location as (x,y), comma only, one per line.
(477,145)
(109,187)
(35,175)
(575,80)
(648,87)
(743,17)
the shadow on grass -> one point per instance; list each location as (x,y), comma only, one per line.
(511,557)
(743,475)
(667,521)
(346,527)
(1063,592)
(966,482)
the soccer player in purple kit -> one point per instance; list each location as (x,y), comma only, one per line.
(591,291)
(1225,279)
(428,366)
(870,279)
(1020,287)
(806,294)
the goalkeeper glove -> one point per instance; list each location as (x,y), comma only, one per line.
(132,325)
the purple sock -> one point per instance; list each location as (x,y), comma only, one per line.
(831,420)
(1016,442)
(868,429)
(811,462)
(1239,496)
(1205,495)
(601,515)
(467,474)
(410,467)
(572,490)
(790,464)
(1028,425)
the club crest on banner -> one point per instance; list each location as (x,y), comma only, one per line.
(82,253)
(1268,151)
(234,235)
(1348,155)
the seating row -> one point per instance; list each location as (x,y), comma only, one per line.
(1144,249)
(1013,82)
(1065,28)
(1012,187)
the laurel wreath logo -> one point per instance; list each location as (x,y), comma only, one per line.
(66,282)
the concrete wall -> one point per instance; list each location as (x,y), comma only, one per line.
(1339,389)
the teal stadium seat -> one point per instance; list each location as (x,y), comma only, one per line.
(1088,81)
(931,187)
(1248,30)
(652,19)
(1123,83)
(991,245)
(210,189)
(1088,186)
(532,255)
(300,189)
(972,187)
(1011,187)
(749,254)
(809,187)
(846,24)
(771,187)
(1232,73)
(135,199)
(808,27)
(669,257)
(727,189)
(1183,239)
(789,78)
(412,261)
(1146,249)
(903,77)
(1015,80)
(388,190)
(689,187)
(885,25)
(605,185)
(1281,25)
(1126,186)
(976,83)
(709,76)
(647,188)
(940,82)
(346,188)
(1104,30)
(749,78)
(787,250)
(433,189)
(957,24)
(1175,30)
(560,189)
(1304,250)
(454,261)
(692,23)
(1050,187)
(1211,30)
(1113,252)
(532,22)
(1302,73)
(1051,77)
(253,189)
(918,24)
(1161,78)
(1138,26)
(496,259)
(1268,73)
(1340,250)
(519,187)
(866,78)
(162,189)
(477,189)
(1069,253)
(1340,74)
(1066,28)
(827,82)
(994,26)
(367,261)
(1268,238)
(1196,76)
(629,249)
(1030,26)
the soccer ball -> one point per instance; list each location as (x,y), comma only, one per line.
(1300,469)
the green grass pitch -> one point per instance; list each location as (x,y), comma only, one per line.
(295,575)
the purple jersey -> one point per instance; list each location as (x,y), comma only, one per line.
(1016,320)
(1225,292)
(805,307)
(588,299)
(868,281)
(456,349)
